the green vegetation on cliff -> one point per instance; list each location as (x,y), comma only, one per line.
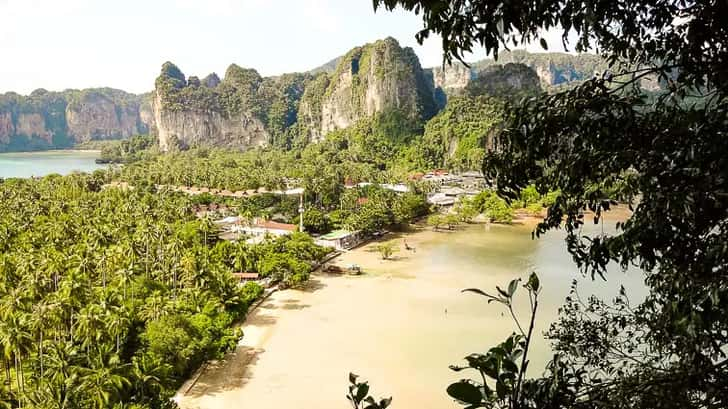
(41,120)
(457,137)
(554,69)
(509,82)
(273,100)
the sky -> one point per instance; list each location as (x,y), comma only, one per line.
(60,44)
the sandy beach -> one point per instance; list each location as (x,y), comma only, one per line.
(399,325)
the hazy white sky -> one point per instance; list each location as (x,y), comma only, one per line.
(59,44)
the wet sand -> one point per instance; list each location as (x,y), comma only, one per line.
(399,325)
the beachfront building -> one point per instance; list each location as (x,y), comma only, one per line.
(261,228)
(244,277)
(340,239)
(472,180)
(441,199)
(398,188)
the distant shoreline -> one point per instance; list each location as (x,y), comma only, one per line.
(96,151)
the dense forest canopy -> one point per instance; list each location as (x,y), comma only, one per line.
(114,296)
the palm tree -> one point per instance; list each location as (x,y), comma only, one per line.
(103,383)
(89,326)
(149,373)
(41,318)
(16,342)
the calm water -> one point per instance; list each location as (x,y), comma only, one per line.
(401,324)
(27,164)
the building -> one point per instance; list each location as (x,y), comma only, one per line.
(260,228)
(398,188)
(441,199)
(453,191)
(340,239)
(243,277)
(472,180)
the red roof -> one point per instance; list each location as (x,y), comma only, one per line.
(276,226)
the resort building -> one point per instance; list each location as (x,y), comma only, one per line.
(340,239)
(243,277)
(260,228)
(441,199)
(399,188)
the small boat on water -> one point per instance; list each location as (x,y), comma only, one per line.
(354,269)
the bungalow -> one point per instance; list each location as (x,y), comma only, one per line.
(243,277)
(260,228)
(441,199)
(399,188)
(453,191)
(340,239)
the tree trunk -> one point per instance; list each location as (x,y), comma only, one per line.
(17,372)
(40,353)
(6,364)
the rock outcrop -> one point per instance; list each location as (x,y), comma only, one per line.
(371,79)
(229,113)
(553,69)
(48,120)
(184,128)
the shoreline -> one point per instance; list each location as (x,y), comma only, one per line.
(384,324)
(51,151)
(222,382)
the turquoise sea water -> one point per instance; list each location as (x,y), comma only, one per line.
(27,164)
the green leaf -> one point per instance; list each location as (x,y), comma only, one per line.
(362,391)
(352,377)
(533,282)
(465,391)
(513,286)
(500,389)
(509,365)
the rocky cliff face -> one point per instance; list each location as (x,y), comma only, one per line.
(97,116)
(240,111)
(47,120)
(184,128)
(375,78)
(553,69)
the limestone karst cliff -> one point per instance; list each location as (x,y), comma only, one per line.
(47,120)
(374,78)
(242,110)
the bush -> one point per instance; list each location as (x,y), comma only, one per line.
(386,250)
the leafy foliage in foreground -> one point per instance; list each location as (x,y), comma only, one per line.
(668,149)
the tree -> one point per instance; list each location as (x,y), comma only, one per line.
(386,250)
(452,220)
(466,209)
(584,141)
(435,220)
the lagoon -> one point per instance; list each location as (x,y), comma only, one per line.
(28,164)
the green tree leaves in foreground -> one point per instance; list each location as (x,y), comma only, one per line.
(667,148)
